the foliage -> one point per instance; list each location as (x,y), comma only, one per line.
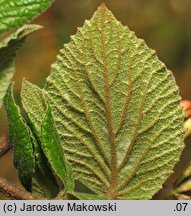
(115,106)
(8,49)
(108,117)
(17,12)
(14,13)
(21,141)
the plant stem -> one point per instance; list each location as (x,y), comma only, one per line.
(4,146)
(14,192)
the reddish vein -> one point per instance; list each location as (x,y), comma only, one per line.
(113,184)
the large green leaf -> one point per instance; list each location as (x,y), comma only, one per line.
(20,140)
(14,13)
(116,108)
(8,49)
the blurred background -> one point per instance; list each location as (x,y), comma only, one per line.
(165,25)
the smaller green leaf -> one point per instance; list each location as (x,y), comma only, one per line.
(35,106)
(84,196)
(19,137)
(14,13)
(8,49)
(53,151)
(43,178)
(33,103)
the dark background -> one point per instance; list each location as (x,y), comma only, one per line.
(165,25)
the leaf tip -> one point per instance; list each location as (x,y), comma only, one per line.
(9,89)
(28,29)
(26,84)
(103,7)
(24,81)
(9,94)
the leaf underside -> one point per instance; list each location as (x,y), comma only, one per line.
(14,13)
(8,49)
(116,108)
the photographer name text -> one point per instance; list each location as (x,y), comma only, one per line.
(66,207)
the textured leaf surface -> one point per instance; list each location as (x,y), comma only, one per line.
(34,104)
(53,151)
(41,120)
(19,137)
(14,13)
(116,108)
(44,182)
(8,48)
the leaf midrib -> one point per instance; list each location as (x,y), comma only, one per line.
(113,190)
(112,193)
